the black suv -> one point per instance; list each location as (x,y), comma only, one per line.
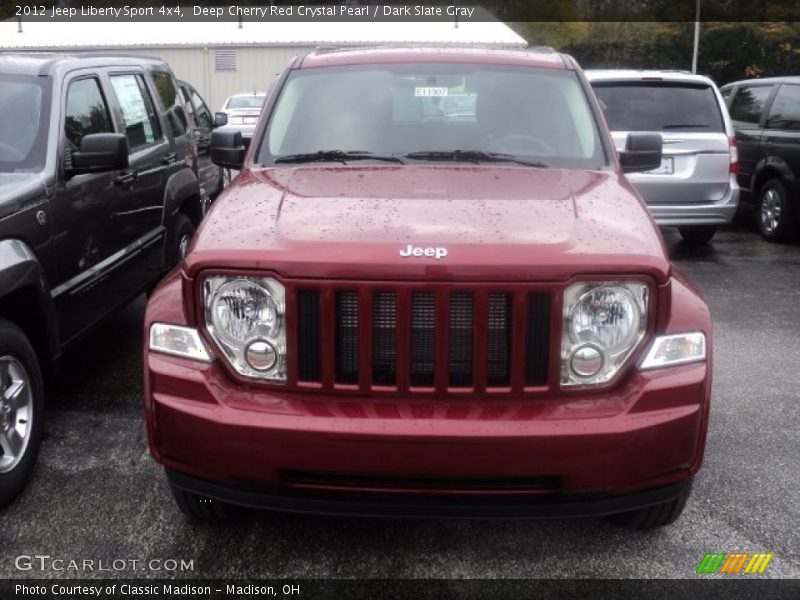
(200,123)
(97,200)
(766,118)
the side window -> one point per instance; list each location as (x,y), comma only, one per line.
(165,86)
(204,118)
(87,111)
(748,104)
(172,100)
(785,111)
(726,95)
(141,122)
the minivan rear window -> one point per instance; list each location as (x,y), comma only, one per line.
(659,106)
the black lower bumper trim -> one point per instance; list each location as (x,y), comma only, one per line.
(393,505)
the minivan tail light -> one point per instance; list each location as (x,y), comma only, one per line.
(734,168)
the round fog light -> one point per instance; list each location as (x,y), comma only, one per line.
(587,361)
(261,355)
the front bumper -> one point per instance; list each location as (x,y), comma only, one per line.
(510,507)
(588,452)
(647,434)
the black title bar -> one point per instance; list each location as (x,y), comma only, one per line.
(432,10)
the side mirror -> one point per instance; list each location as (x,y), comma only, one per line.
(220,119)
(100,152)
(642,152)
(227,149)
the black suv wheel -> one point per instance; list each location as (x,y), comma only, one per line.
(21,406)
(183,231)
(774,213)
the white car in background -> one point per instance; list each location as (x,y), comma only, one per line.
(695,187)
(241,112)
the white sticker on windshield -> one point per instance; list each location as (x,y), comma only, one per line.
(430,92)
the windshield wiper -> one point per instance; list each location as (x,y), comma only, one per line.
(337,156)
(685,125)
(474,156)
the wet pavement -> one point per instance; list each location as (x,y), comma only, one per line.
(96,494)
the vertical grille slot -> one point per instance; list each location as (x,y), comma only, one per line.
(347,337)
(537,333)
(423,338)
(462,324)
(384,338)
(308,335)
(498,341)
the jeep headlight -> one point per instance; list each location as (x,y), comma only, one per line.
(245,318)
(604,322)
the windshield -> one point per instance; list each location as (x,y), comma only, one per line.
(663,106)
(433,112)
(250,101)
(23,122)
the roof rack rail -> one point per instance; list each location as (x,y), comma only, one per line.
(541,49)
(326,48)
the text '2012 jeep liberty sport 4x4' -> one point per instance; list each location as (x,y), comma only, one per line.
(96,200)
(403,308)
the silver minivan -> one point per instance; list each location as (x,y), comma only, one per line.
(695,187)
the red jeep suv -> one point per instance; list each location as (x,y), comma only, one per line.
(430,291)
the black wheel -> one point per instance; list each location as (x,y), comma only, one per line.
(203,508)
(774,212)
(21,410)
(654,516)
(183,231)
(697,234)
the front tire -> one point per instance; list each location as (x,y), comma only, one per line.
(651,517)
(774,213)
(697,235)
(21,410)
(183,231)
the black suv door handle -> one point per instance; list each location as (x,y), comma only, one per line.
(170,158)
(125,178)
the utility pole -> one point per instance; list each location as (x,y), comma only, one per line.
(696,36)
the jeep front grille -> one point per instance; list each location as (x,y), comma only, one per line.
(448,339)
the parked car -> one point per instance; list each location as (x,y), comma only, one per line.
(424,315)
(200,123)
(96,204)
(766,117)
(695,186)
(241,112)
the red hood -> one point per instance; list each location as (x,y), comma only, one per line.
(497,223)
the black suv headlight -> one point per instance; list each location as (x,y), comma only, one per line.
(603,323)
(245,317)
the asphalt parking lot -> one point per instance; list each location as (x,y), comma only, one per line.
(96,494)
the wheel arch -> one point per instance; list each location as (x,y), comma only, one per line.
(774,168)
(26,301)
(182,194)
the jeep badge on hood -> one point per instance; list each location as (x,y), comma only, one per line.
(437,253)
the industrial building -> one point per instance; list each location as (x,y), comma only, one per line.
(226,57)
